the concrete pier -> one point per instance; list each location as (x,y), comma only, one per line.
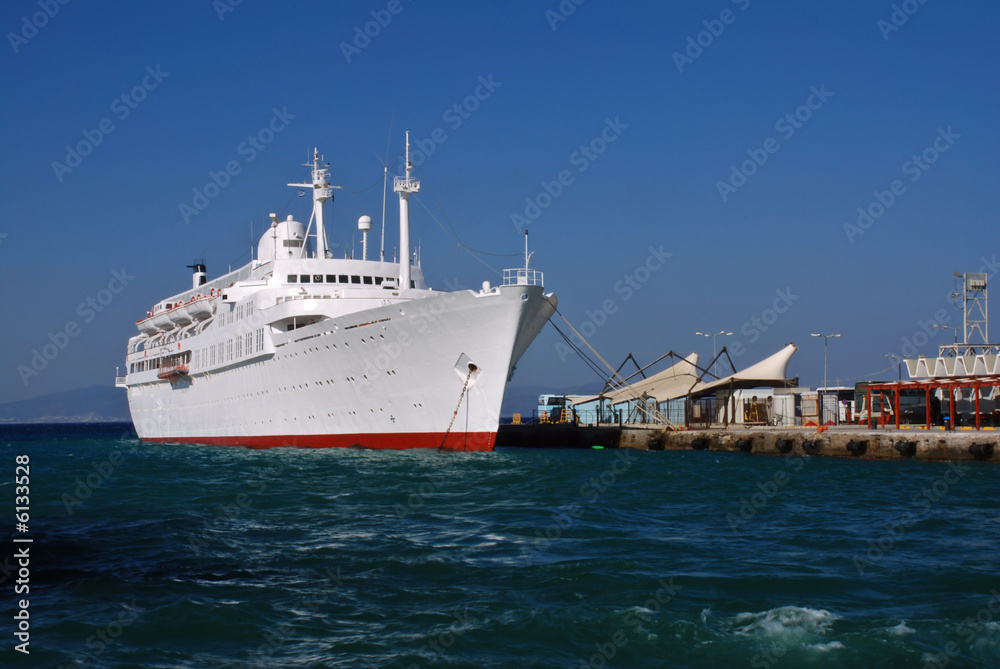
(838,442)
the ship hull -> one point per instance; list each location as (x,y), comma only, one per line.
(421,373)
(457,441)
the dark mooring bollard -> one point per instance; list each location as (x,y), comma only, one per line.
(745,445)
(700,444)
(857,448)
(981,451)
(812,446)
(906,448)
(784,445)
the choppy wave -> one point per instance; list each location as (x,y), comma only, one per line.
(194,556)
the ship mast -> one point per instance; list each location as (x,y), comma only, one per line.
(404,186)
(322,191)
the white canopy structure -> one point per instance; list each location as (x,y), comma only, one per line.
(771,371)
(674,381)
(684,379)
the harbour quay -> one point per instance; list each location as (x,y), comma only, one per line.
(947,409)
(837,442)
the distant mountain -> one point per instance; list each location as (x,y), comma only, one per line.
(95,404)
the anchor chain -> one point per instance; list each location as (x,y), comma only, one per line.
(465,386)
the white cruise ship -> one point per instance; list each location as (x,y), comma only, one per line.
(301,349)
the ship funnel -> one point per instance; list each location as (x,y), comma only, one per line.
(200,276)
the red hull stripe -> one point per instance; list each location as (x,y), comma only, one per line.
(457,441)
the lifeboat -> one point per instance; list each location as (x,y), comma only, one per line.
(201,308)
(179,315)
(146,325)
(161,321)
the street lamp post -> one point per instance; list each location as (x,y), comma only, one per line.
(899,365)
(713,335)
(826,386)
(954,350)
(826,338)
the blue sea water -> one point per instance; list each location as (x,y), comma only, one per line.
(189,556)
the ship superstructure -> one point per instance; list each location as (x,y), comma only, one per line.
(309,350)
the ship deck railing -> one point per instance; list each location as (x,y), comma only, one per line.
(523,277)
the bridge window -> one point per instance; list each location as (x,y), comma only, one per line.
(355,278)
(304,278)
(368,280)
(292,278)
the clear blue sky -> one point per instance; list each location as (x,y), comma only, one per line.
(864,99)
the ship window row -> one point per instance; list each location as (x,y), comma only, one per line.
(243,311)
(246,344)
(237,314)
(354,279)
